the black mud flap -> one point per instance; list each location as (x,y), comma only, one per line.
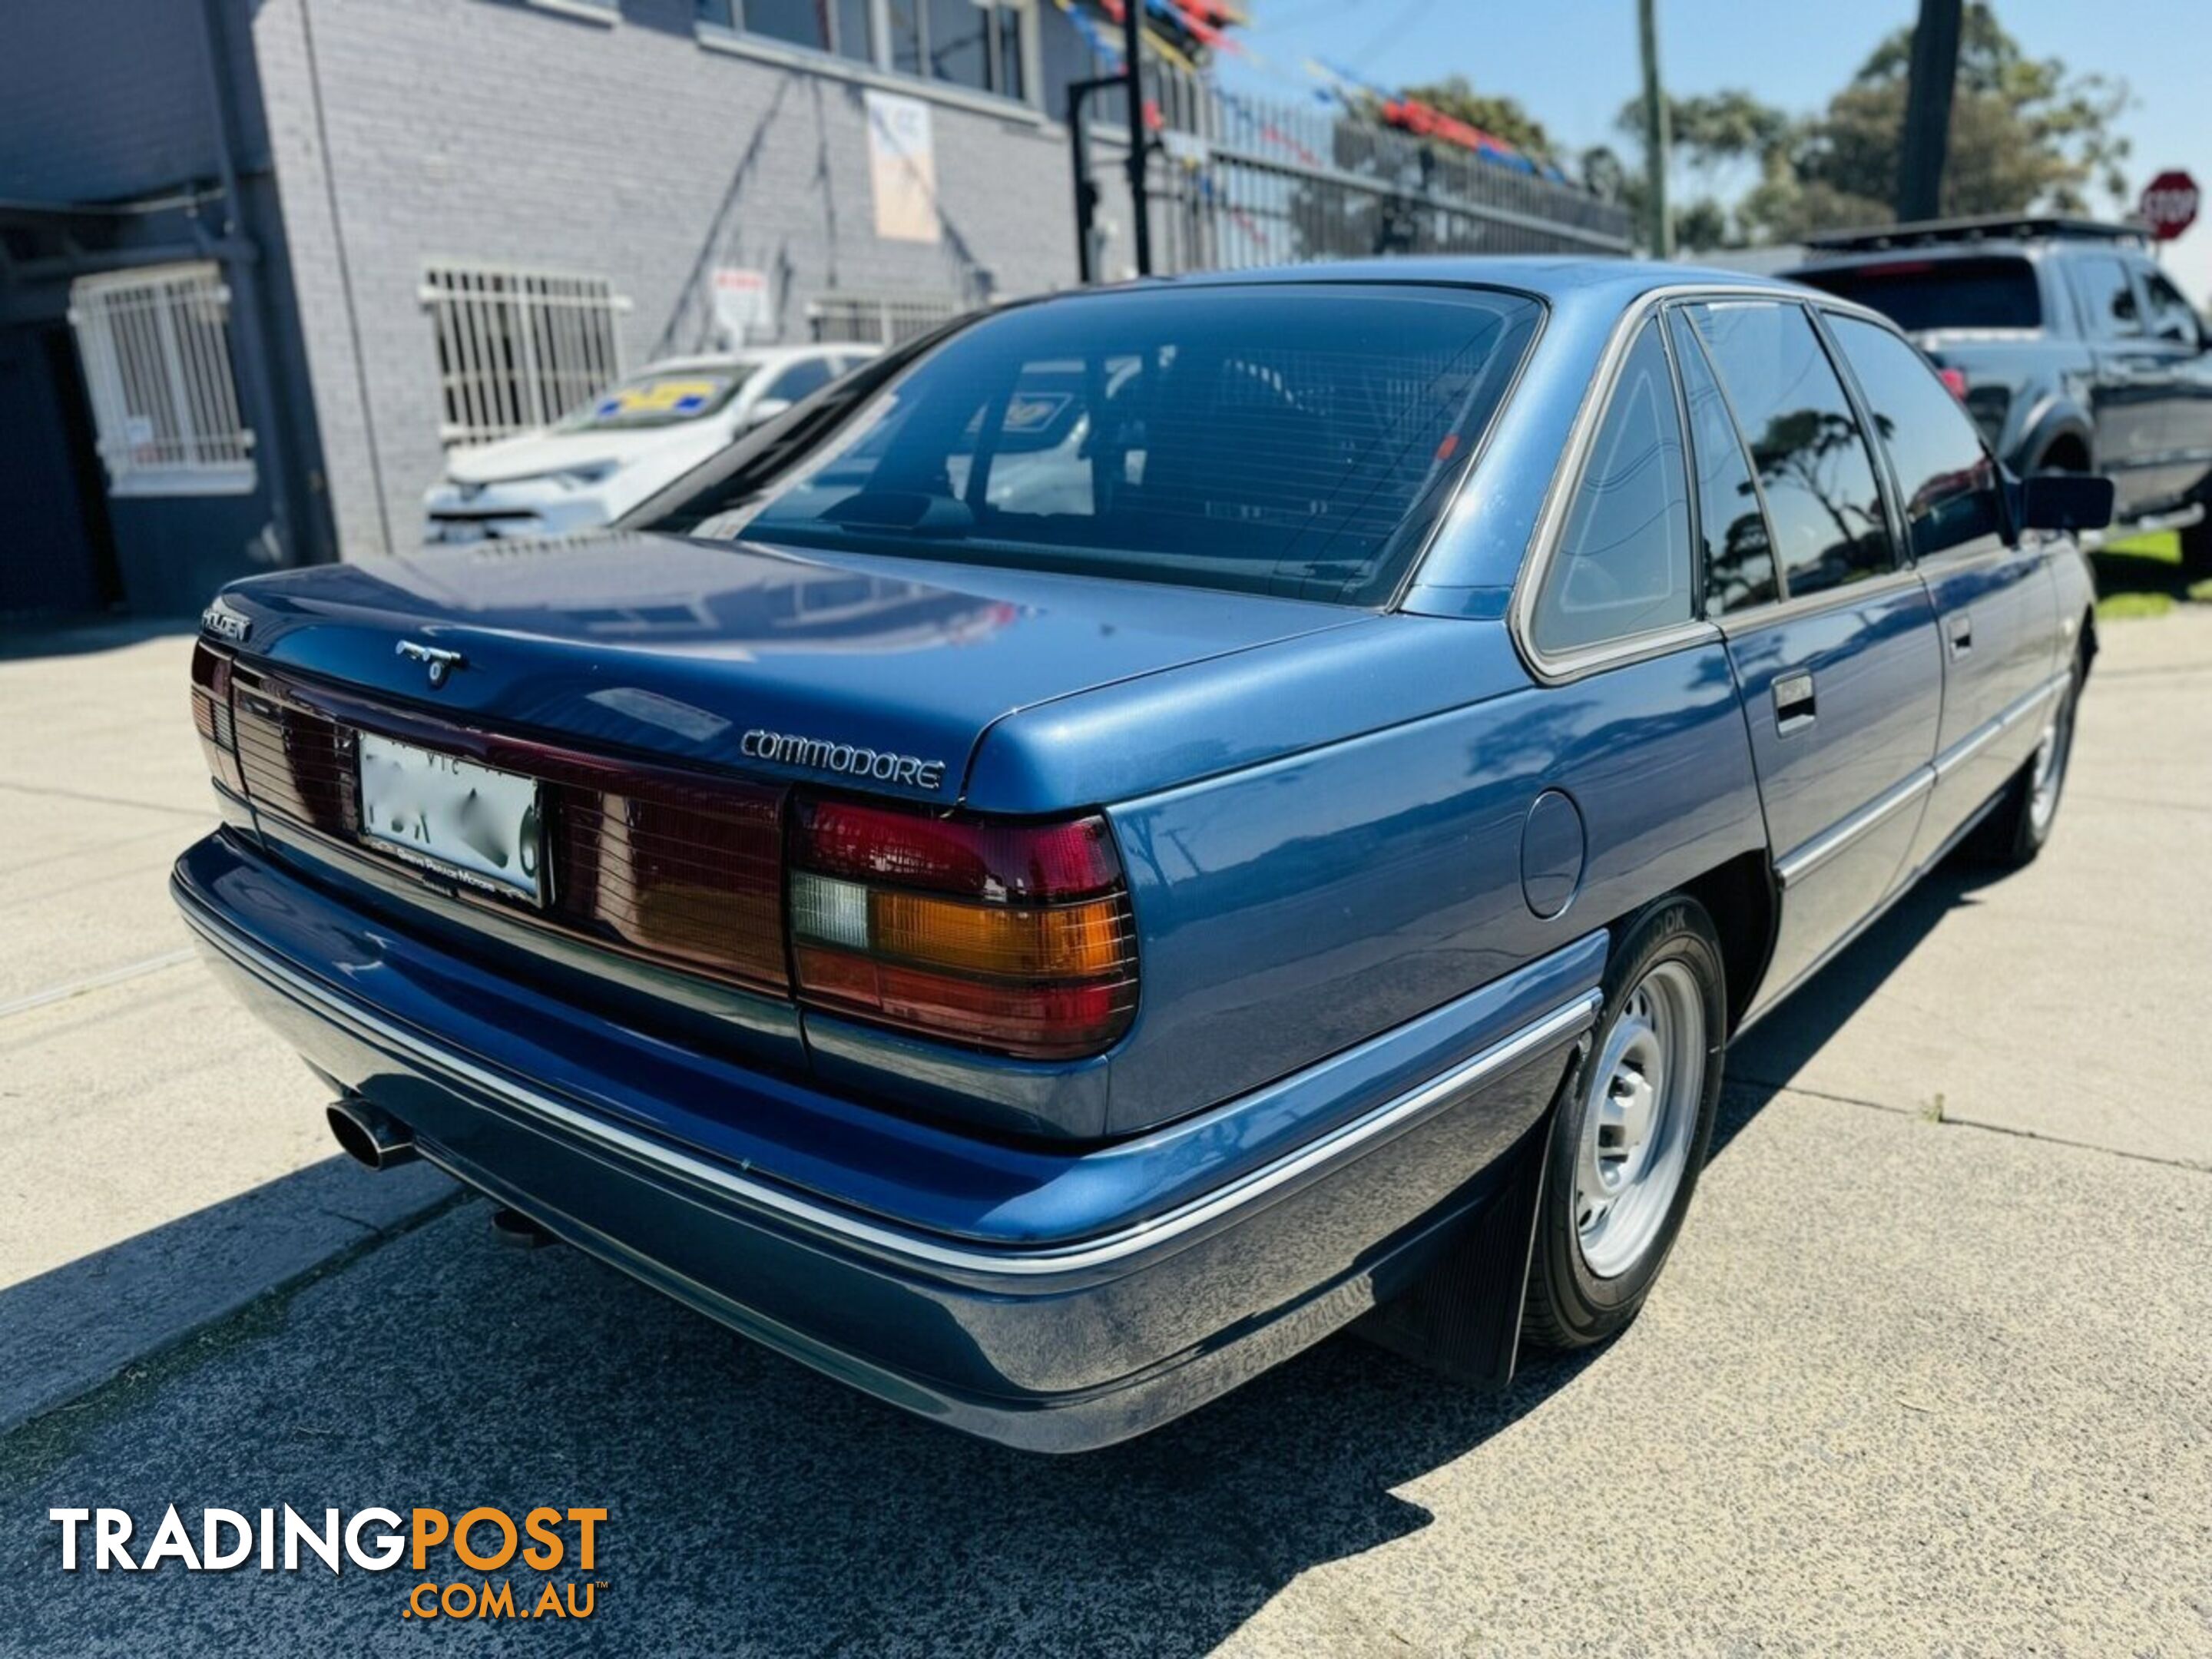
(1461,1317)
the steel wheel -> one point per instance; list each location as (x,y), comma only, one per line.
(2048,776)
(1644,1085)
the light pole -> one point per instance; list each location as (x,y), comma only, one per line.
(1658,135)
(1934,73)
(1140,212)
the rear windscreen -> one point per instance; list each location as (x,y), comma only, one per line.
(1288,439)
(1930,293)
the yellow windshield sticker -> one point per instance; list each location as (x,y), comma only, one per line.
(657,397)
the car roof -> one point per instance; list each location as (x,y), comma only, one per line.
(1547,276)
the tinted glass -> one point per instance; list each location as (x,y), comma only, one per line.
(960,43)
(1739,557)
(800,379)
(802,22)
(2108,298)
(2171,317)
(1623,565)
(1924,293)
(1811,457)
(1950,484)
(1282,438)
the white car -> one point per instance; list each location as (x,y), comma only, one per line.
(595,463)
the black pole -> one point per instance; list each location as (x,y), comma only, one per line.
(1133,36)
(1086,189)
(1934,71)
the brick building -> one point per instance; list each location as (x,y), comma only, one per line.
(262,260)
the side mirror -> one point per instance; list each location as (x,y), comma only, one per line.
(766,410)
(2065,501)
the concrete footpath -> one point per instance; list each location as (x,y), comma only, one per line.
(165,1161)
(1930,1372)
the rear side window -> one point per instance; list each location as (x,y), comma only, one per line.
(1949,482)
(2108,298)
(2171,317)
(1929,293)
(1622,565)
(1739,557)
(1811,458)
(1280,438)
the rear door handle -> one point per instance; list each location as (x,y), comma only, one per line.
(1959,629)
(1793,703)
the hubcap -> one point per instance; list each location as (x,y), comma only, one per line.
(1640,1108)
(2050,773)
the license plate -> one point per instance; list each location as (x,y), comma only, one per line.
(474,823)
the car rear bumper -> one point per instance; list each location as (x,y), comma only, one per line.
(1055,1299)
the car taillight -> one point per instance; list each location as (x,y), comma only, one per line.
(1014,937)
(1956,378)
(211,714)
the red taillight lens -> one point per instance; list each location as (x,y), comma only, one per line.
(1955,380)
(211,715)
(1016,937)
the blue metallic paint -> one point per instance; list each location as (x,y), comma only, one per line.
(428,1036)
(1342,886)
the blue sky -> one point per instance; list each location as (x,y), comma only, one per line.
(1573,63)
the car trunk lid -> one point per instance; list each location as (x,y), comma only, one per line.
(738,658)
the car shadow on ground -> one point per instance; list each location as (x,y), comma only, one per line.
(752,1503)
(1767,1059)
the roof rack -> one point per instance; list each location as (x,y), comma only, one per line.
(1994,227)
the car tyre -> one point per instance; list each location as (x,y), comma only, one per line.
(1630,1132)
(2197,549)
(2020,826)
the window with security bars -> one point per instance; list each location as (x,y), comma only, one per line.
(155,347)
(518,349)
(877,318)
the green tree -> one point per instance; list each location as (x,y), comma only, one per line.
(2025,133)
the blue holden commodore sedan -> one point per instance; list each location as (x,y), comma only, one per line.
(1150,825)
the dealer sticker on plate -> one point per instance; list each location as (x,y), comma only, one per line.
(474,824)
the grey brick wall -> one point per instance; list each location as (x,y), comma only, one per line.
(495,130)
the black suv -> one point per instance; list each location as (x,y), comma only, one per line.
(2071,349)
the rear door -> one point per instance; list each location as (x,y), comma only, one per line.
(2132,380)
(2184,416)
(1995,612)
(1832,636)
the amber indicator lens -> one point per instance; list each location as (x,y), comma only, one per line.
(1011,936)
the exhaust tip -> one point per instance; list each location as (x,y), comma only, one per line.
(371,1137)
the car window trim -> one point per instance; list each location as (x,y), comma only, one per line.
(1902,555)
(1743,450)
(1560,668)
(1901,524)
(1657,320)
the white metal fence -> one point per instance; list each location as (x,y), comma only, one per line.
(156,346)
(884,320)
(516,349)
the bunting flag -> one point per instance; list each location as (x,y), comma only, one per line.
(1206,22)
(1265,129)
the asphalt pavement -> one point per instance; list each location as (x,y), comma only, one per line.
(1929,1372)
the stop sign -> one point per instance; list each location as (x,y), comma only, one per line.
(2169,204)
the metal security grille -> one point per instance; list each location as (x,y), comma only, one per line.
(877,318)
(517,349)
(1246,182)
(156,346)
